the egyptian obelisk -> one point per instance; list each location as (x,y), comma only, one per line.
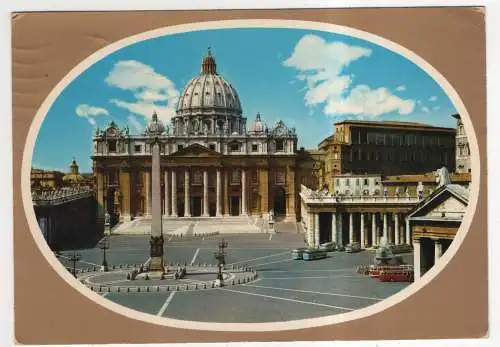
(155,129)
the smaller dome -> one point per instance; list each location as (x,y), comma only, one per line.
(155,127)
(257,126)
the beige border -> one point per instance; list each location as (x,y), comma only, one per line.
(268,326)
(47,45)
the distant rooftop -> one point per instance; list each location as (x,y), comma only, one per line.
(389,123)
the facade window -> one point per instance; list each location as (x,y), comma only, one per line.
(234,147)
(212,146)
(254,177)
(137,148)
(280,145)
(255,148)
(112,145)
(365,182)
(180,147)
(255,201)
(357,181)
(280,177)
(337,182)
(197,178)
(235,177)
(347,182)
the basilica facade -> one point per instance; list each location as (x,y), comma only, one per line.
(212,163)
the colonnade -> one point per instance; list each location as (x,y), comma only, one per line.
(367,228)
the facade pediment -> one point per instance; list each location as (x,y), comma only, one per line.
(448,201)
(196,150)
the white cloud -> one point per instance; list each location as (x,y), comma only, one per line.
(436,108)
(135,124)
(433,98)
(364,101)
(152,91)
(87,111)
(425,109)
(401,88)
(322,66)
(146,109)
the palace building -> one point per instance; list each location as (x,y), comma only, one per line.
(212,164)
(386,148)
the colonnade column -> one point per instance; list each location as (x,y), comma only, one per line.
(219,194)
(374,229)
(341,227)
(316,230)
(205,193)
(187,195)
(385,227)
(334,227)
(408,240)
(174,193)
(362,230)
(226,191)
(396,229)
(416,259)
(351,228)
(310,230)
(438,250)
(167,194)
(244,192)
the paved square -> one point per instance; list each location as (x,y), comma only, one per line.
(285,289)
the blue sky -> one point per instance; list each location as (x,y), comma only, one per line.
(308,79)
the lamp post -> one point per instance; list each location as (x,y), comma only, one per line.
(104,245)
(220,256)
(74,258)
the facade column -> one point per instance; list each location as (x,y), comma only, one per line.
(244,192)
(166,213)
(264,191)
(362,229)
(187,194)
(174,193)
(334,227)
(408,240)
(351,228)
(205,193)
(226,192)
(290,192)
(438,250)
(156,249)
(316,230)
(341,228)
(416,259)
(374,229)
(219,194)
(310,229)
(124,180)
(100,196)
(385,227)
(396,229)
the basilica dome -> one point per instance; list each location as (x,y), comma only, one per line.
(209,93)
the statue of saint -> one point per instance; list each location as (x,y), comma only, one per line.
(420,190)
(442,177)
(107,218)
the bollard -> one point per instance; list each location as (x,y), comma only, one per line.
(238,281)
(109,289)
(147,289)
(196,286)
(168,288)
(177,288)
(204,286)
(118,289)
(138,289)
(232,283)
(213,284)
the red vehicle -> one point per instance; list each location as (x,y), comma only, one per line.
(396,275)
(376,270)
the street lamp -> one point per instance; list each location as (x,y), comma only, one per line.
(74,258)
(220,256)
(104,245)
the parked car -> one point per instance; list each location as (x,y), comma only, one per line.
(328,246)
(297,253)
(313,254)
(353,247)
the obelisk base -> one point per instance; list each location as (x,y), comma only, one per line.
(156,254)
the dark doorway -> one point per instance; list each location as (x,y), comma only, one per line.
(212,209)
(234,208)
(325,227)
(196,205)
(180,209)
(426,254)
(279,202)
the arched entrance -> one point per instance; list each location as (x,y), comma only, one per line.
(279,202)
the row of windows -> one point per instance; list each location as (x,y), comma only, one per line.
(357,181)
(419,156)
(376,138)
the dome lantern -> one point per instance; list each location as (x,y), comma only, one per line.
(208,66)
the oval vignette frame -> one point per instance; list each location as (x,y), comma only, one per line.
(250,327)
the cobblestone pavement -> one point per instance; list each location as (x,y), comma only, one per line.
(286,289)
